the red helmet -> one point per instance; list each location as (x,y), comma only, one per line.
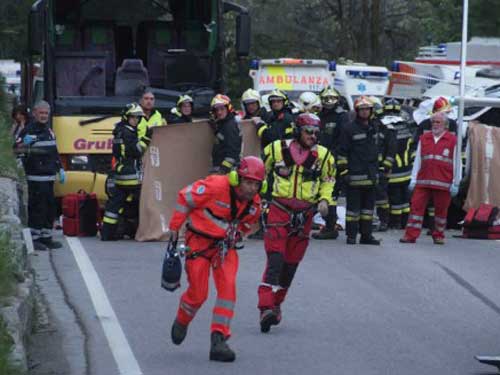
(307,119)
(221,100)
(252,167)
(441,104)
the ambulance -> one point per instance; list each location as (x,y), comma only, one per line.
(293,76)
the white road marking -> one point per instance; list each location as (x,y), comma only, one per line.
(124,357)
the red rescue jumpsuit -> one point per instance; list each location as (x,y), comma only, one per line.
(211,208)
(433,181)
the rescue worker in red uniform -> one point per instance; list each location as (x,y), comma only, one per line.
(218,209)
(432,178)
(227,147)
(304,175)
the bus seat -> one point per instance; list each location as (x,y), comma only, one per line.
(68,38)
(100,36)
(80,74)
(153,41)
(131,78)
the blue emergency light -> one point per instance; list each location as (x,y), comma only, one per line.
(395,66)
(254,64)
(332,66)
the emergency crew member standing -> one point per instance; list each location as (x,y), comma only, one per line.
(152,117)
(332,116)
(182,112)
(251,105)
(358,154)
(400,175)
(432,178)
(218,209)
(278,123)
(41,166)
(227,147)
(303,176)
(128,149)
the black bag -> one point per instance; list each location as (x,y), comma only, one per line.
(172,268)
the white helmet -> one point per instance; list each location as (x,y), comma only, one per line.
(309,102)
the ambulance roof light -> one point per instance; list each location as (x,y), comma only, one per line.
(395,66)
(254,64)
(332,66)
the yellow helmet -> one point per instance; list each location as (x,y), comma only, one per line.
(184,99)
(378,107)
(363,102)
(277,94)
(132,109)
(250,96)
(329,97)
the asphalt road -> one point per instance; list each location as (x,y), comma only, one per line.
(393,309)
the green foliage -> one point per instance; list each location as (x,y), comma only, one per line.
(13,28)
(6,266)
(8,167)
(6,342)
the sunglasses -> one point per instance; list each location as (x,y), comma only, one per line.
(311,130)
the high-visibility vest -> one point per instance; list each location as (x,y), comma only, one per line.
(312,181)
(156,119)
(436,168)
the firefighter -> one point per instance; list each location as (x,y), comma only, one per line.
(309,102)
(332,116)
(358,155)
(218,209)
(387,151)
(304,175)
(227,147)
(128,149)
(41,165)
(432,178)
(251,105)
(278,123)
(182,112)
(152,117)
(400,175)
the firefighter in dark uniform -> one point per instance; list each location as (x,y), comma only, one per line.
(227,147)
(128,149)
(358,154)
(182,112)
(251,105)
(41,165)
(332,116)
(279,122)
(400,175)
(387,151)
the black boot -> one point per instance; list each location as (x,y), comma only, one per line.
(268,318)
(383,215)
(369,241)
(329,231)
(108,232)
(351,241)
(404,220)
(219,350)
(39,246)
(178,332)
(395,221)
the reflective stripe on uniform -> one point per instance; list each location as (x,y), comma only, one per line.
(438,157)
(222,224)
(221,319)
(109,220)
(414,225)
(189,196)
(415,217)
(434,183)
(126,176)
(357,137)
(40,178)
(188,309)
(261,130)
(44,143)
(181,208)
(225,304)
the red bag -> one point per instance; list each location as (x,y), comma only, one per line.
(485,215)
(80,214)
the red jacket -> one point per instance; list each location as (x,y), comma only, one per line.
(206,204)
(436,170)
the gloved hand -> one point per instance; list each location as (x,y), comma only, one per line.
(323,208)
(28,139)
(453,190)
(62,176)
(411,186)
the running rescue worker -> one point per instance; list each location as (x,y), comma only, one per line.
(218,210)
(432,178)
(128,149)
(303,176)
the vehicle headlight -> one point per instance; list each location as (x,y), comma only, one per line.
(79,162)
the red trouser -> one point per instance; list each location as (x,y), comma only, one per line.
(198,271)
(285,248)
(419,200)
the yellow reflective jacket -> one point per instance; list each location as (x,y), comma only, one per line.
(312,181)
(156,119)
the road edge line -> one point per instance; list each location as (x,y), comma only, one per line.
(118,343)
